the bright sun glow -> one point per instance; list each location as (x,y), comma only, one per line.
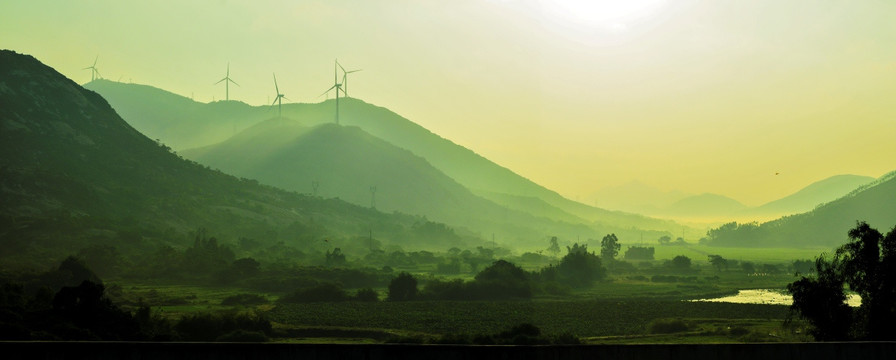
(614,15)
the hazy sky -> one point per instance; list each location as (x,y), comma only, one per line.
(698,96)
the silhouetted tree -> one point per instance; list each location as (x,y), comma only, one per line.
(554,248)
(578,268)
(680,263)
(609,247)
(402,288)
(718,262)
(78,271)
(502,279)
(665,240)
(867,263)
(335,258)
(86,307)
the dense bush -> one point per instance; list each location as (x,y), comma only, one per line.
(402,288)
(679,263)
(366,295)
(578,268)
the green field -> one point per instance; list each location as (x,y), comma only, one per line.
(598,321)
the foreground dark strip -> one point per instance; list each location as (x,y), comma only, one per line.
(244,351)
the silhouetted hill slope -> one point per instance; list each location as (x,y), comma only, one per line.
(461,164)
(72,172)
(826,225)
(813,195)
(346,162)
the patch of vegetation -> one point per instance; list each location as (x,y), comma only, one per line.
(245,300)
(667,326)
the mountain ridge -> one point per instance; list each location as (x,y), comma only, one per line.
(73,173)
(461,164)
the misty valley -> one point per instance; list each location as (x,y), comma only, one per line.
(129,213)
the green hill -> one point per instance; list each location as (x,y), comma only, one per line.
(73,173)
(469,169)
(815,194)
(826,225)
(347,163)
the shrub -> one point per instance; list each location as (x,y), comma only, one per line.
(366,295)
(402,288)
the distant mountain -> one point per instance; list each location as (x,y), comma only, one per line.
(813,195)
(471,170)
(178,121)
(826,225)
(348,163)
(635,197)
(73,173)
(705,205)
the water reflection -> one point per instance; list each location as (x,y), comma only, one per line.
(770,297)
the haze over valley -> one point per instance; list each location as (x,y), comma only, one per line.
(474,172)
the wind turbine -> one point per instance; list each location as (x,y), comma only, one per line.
(227,80)
(338,87)
(277,99)
(94,73)
(345,78)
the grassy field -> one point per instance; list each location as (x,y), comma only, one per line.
(596,321)
(620,309)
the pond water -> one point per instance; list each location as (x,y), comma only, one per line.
(771,297)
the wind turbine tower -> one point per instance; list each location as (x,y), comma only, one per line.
(373,197)
(94,73)
(337,86)
(227,80)
(279,96)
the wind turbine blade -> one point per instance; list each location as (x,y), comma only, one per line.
(352,71)
(234,82)
(328,90)
(340,66)
(275,101)
(219,81)
(275,85)
(95,60)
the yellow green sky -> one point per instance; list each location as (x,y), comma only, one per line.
(696,96)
